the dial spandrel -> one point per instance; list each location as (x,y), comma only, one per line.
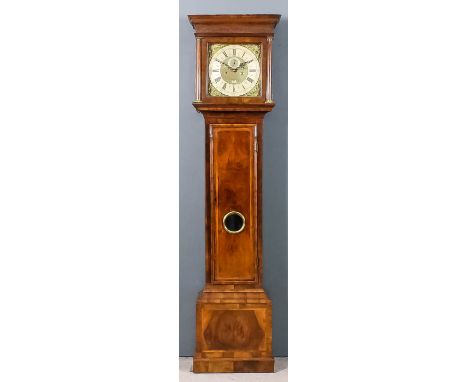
(234,70)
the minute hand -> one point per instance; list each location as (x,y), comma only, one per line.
(222,63)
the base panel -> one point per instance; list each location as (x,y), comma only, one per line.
(231,365)
(233,331)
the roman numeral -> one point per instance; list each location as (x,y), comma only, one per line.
(225,53)
(215,70)
(219,61)
(234,52)
(224,86)
(250,70)
(217,79)
(249,79)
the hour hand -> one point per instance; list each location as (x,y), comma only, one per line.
(241,65)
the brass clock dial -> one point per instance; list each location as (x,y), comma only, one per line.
(234,71)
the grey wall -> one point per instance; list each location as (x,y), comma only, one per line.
(191,175)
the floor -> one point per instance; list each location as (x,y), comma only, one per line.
(280,374)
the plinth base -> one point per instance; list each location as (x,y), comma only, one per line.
(234,365)
(233,331)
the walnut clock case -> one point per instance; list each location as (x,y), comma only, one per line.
(233,91)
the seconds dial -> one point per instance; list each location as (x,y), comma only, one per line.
(234,70)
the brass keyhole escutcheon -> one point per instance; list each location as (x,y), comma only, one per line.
(234,222)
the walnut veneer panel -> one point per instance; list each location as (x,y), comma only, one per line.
(233,171)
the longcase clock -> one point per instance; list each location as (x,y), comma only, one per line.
(233,91)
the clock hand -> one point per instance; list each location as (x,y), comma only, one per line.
(243,64)
(222,63)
